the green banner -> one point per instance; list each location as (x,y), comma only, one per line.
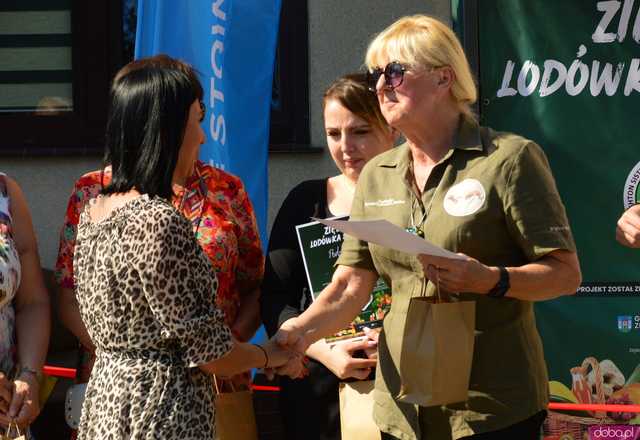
(320,246)
(566,74)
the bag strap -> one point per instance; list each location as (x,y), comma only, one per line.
(438,295)
(14,425)
(215,384)
(423,289)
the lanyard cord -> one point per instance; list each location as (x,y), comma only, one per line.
(417,228)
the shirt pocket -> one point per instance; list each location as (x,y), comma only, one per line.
(482,234)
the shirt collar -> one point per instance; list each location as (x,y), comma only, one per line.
(468,135)
(467,138)
(197,181)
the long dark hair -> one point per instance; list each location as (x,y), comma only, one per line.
(150,102)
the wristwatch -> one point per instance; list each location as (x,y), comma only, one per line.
(501,287)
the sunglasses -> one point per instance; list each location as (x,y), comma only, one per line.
(393,76)
(203,109)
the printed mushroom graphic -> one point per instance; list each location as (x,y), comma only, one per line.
(612,378)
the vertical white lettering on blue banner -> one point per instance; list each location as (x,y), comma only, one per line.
(217,164)
(217,127)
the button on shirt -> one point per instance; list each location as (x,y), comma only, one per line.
(492,197)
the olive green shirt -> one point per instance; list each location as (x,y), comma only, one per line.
(491,197)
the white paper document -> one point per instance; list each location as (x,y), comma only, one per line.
(386,234)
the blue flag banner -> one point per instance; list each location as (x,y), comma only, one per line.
(231,43)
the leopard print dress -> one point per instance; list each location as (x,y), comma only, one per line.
(144,287)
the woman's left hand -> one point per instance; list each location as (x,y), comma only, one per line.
(464,275)
(25,405)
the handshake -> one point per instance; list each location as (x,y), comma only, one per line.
(287,349)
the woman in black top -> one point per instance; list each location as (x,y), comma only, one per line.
(356,132)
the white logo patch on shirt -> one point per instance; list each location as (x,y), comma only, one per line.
(385,202)
(465,198)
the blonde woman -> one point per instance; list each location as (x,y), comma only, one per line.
(486,195)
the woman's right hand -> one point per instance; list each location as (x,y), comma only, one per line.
(6,393)
(291,336)
(293,367)
(628,228)
(25,405)
(277,356)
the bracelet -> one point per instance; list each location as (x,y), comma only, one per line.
(26,370)
(266,356)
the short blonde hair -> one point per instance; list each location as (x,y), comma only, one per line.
(424,41)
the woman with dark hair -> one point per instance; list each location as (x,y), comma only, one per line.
(144,286)
(356,132)
(222,218)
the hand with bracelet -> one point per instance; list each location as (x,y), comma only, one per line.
(276,356)
(23,405)
(245,356)
(6,392)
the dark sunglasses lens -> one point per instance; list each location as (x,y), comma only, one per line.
(372,79)
(203,109)
(394,73)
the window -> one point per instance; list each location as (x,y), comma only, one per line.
(56,60)
(35,58)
